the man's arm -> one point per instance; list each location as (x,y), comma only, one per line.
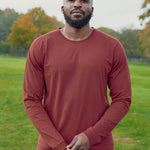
(120,91)
(33,94)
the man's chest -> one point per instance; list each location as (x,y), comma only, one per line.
(79,58)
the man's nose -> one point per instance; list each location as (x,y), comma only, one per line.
(77,4)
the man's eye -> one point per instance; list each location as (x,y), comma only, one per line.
(85,1)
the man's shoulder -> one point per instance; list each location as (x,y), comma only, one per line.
(48,36)
(102,35)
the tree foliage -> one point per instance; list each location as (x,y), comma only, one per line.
(144,34)
(128,38)
(43,22)
(23,32)
(146,8)
(144,40)
(110,32)
(31,25)
(4,47)
(7,17)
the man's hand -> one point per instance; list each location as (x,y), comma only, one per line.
(80,142)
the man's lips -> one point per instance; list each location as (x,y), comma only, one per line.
(77,12)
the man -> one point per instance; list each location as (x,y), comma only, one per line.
(71,68)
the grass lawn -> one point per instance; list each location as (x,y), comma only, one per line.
(18,133)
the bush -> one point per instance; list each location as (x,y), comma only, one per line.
(4,47)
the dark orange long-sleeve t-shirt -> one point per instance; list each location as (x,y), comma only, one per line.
(71,77)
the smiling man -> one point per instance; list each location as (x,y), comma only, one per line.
(65,83)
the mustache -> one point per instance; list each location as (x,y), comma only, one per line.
(79,10)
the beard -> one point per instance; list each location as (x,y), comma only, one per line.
(77,23)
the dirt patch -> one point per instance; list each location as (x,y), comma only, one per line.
(123,140)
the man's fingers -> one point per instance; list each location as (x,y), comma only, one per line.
(76,146)
(72,143)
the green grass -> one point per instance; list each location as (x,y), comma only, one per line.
(18,133)
(133,132)
(16,130)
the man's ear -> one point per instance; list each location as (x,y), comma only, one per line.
(92,9)
(62,8)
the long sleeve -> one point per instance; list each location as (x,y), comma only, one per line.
(33,90)
(120,92)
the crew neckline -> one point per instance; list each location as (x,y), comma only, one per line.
(91,34)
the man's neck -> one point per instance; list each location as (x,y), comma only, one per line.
(75,34)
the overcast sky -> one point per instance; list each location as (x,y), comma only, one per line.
(114,14)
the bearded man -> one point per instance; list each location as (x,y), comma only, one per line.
(65,83)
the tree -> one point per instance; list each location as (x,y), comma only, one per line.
(144,35)
(23,32)
(144,40)
(31,25)
(128,38)
(43,22)
(110,32)
(146,8)
(4,47)
(7,17)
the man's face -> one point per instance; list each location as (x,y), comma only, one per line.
(77,13)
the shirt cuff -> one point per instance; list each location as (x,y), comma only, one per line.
(93,138)
(61,146)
